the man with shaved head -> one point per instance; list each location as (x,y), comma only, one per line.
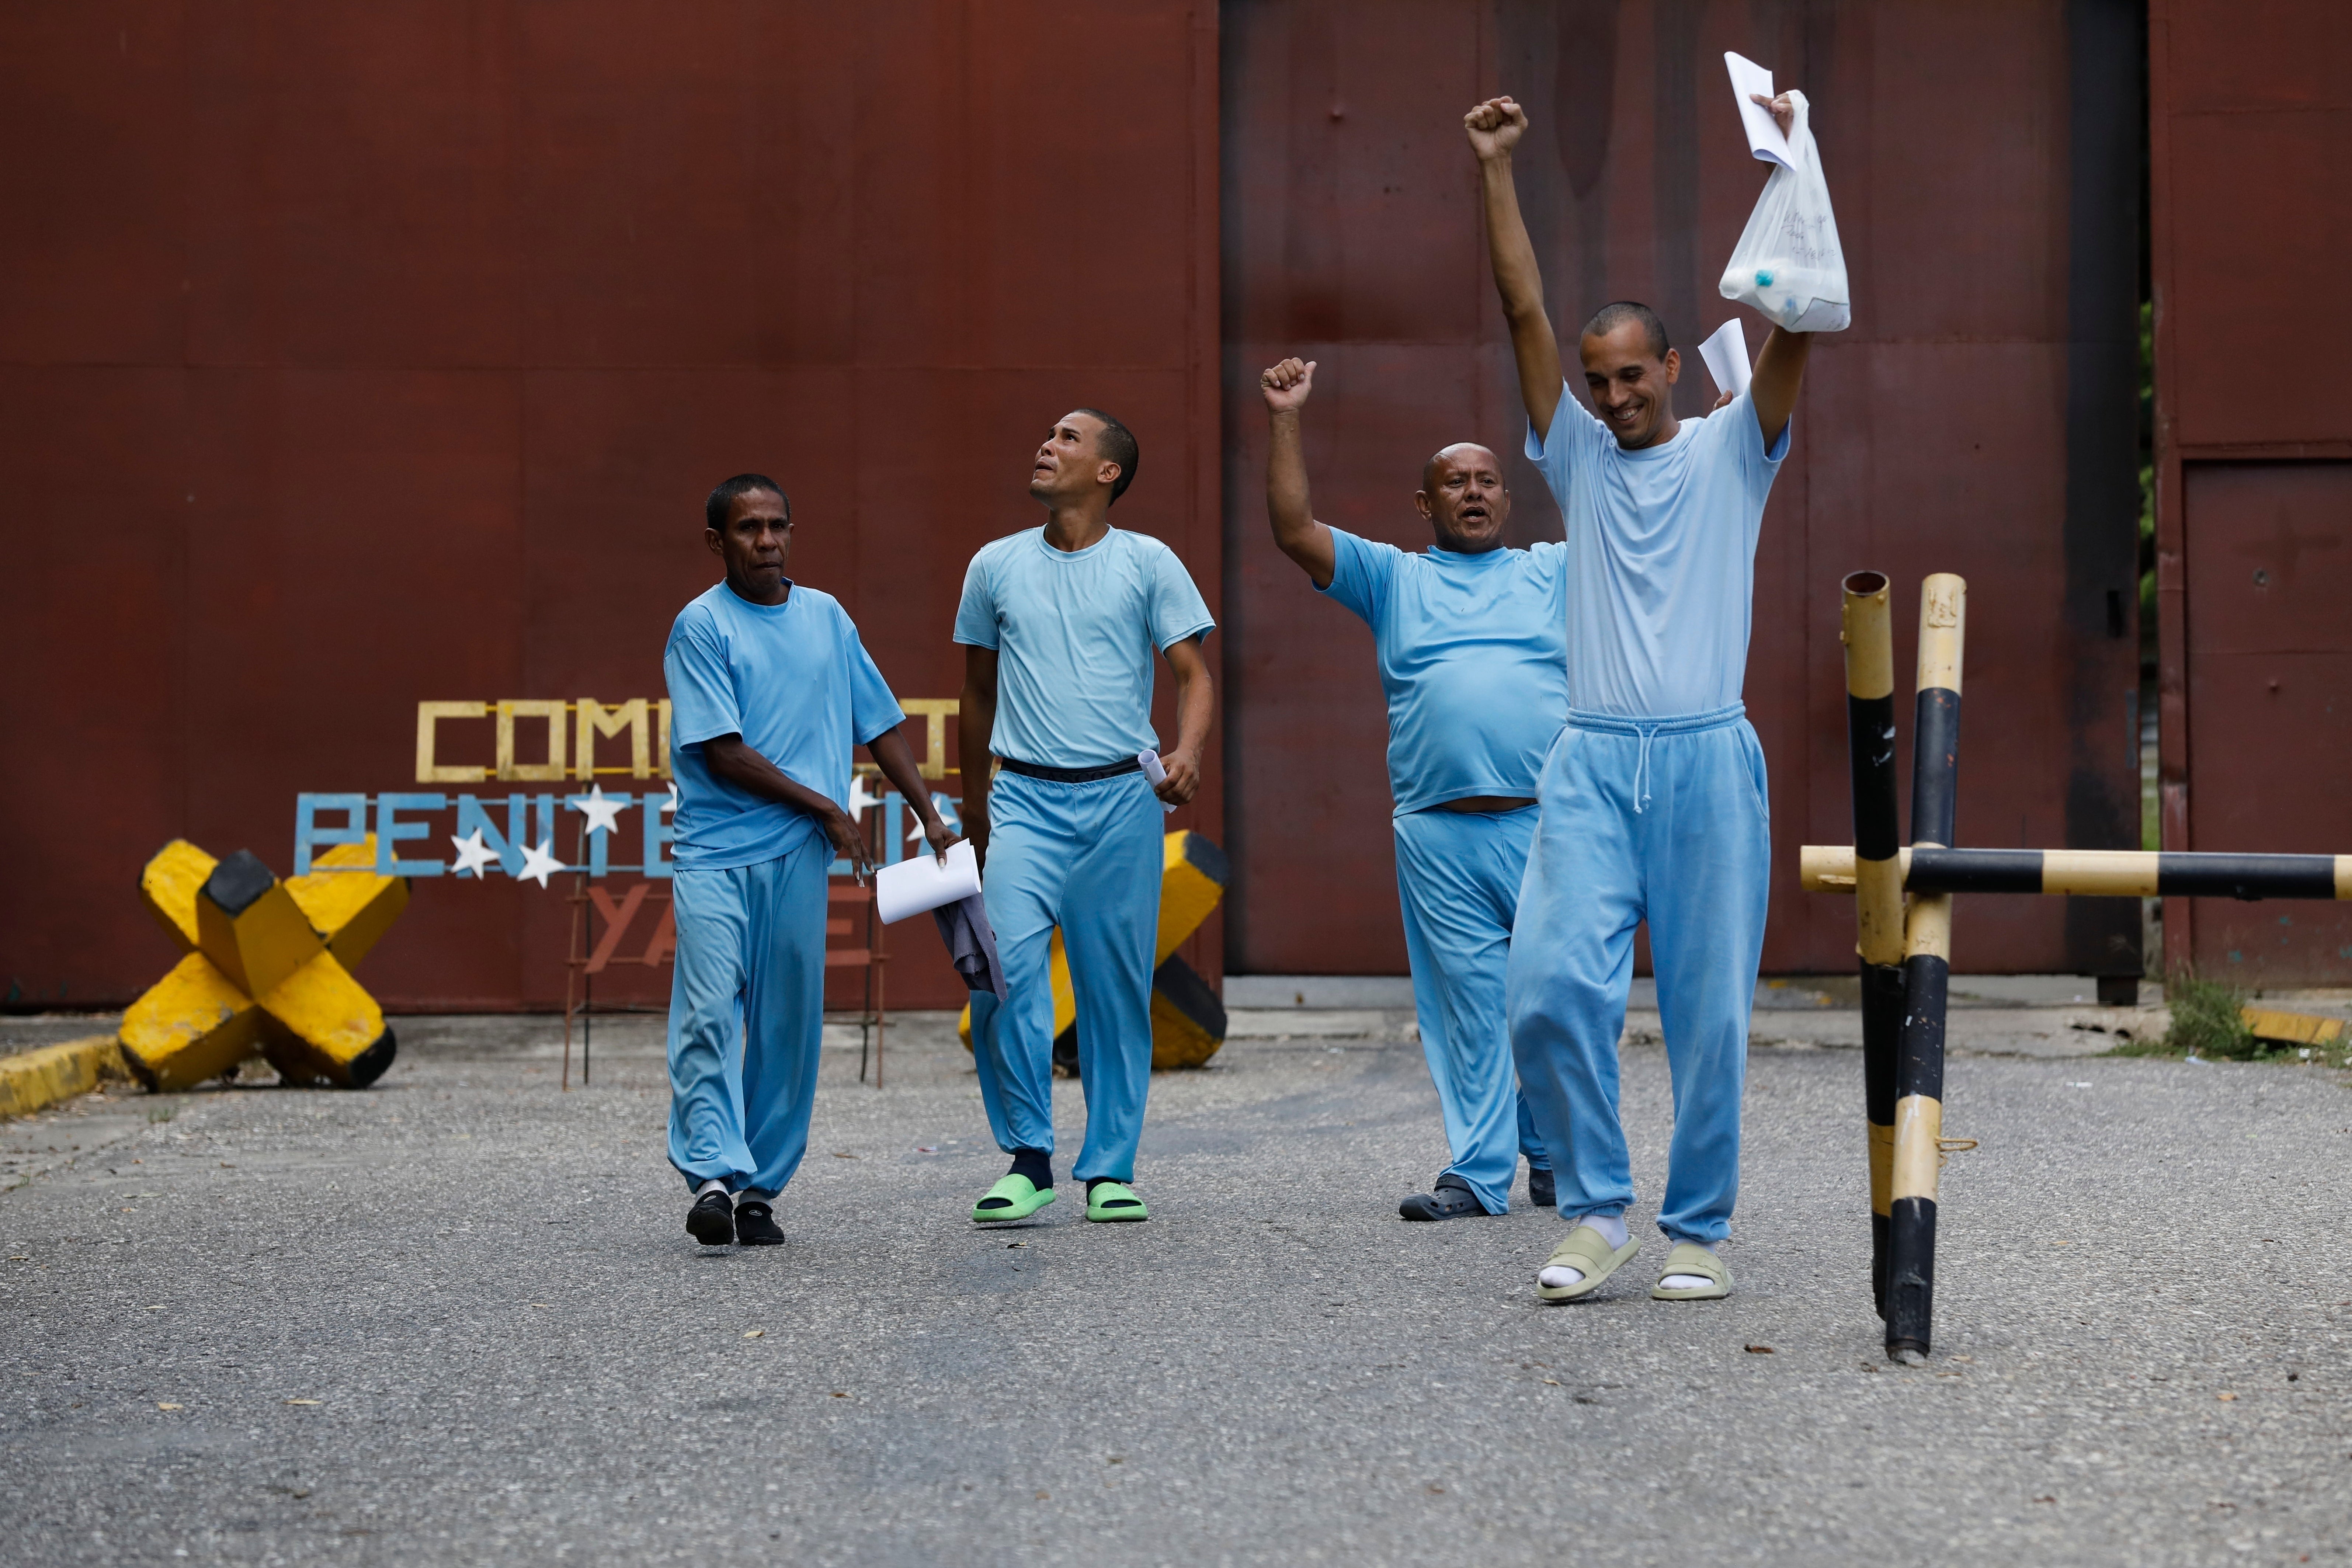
(1655,804)
(1472,642)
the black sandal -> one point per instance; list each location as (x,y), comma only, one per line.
(1450,1199)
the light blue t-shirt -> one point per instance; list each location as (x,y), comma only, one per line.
(1473,652)
(1074,632)
(793,680)
(1661,556)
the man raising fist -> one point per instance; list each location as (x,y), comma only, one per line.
(1471,640)
(1652,799)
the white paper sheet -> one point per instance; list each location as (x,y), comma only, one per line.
(1726,354)
(920,884)
(1764,138)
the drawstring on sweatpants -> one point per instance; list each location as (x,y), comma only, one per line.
(1648,729)
(1642,768)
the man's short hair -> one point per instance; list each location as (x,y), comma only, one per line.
(722,500)
(1117,444)
(1617,312)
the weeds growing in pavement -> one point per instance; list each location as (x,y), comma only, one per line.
(2206,1020)
(2209,1024)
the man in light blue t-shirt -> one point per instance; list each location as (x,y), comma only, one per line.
(1471,640)
(1652,799)
(769,688)
(1061,627)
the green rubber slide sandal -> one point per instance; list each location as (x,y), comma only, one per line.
(1115,1201)
(1689,1257)
(1012,1197)
(1587,1252)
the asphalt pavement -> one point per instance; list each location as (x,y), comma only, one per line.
(456,1319)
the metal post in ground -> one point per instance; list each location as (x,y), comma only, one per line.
(1910,1303)
(1868,634)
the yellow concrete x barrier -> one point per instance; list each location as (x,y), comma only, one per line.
(1188,1022)
(268,968)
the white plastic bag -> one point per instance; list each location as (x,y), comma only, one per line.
(1788,263)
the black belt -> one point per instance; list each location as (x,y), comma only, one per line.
(1070,776)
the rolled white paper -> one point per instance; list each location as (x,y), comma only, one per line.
(919,884)
(1155,775)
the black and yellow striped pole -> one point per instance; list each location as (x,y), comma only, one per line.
(1867,632)
(2094,873)
(1910,1300)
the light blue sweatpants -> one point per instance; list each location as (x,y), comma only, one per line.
(1086,858)
(1663,819)
(1458,875)
(746,1016)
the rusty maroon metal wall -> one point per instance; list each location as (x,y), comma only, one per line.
(1978,418)
(2250,137)
(352,356)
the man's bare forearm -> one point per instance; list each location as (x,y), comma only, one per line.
(1196,705)
(897,760)
(1519,280)
(1510,250)
(975,724)
(1287,506)
(975,718)
(734,760)
(1780,376)
(730,758)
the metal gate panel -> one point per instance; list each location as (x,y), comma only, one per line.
(2250,131)
(2269,563)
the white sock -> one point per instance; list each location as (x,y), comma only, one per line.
(1610,1226)
(1559,1276)
(712,1185)
(1686,1281)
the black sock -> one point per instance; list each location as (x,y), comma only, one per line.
(1035,1163)
(1094,1182)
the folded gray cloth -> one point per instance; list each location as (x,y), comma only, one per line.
(972,944)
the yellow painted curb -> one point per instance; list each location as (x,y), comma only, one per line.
(33,1080)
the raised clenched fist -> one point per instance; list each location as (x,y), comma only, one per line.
(1287,384)
(1495,127)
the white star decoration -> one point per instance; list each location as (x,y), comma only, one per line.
(859,801)
(603,812)
(537,863)
(473,855)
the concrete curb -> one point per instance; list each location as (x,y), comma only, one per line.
(33,1080)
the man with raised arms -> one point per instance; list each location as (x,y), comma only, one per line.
(1471,637)
(769,688)
(1652,799)
(1062,627)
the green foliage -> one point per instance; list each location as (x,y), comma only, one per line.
(2206,1020)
